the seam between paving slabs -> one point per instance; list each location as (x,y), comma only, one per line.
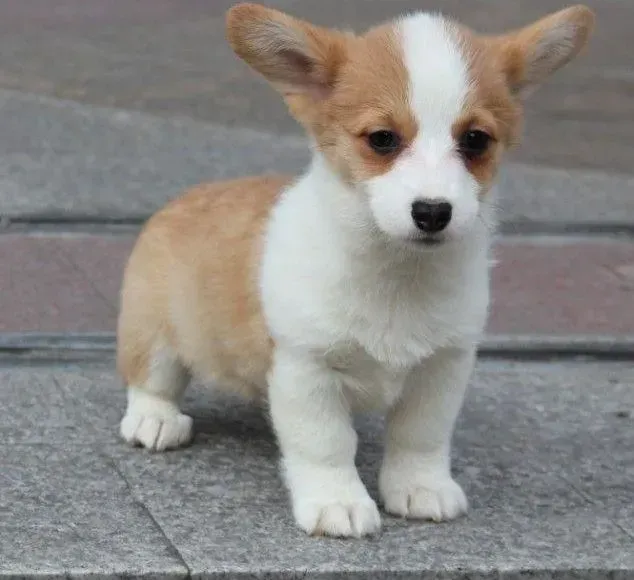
(173,550)
(96,288)
(70,347)
(187,573)
(117,225)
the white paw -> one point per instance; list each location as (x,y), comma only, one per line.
(154,423)
(437,500)
(157,433)
(339,519)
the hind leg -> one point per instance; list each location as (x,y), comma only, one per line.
(153,418)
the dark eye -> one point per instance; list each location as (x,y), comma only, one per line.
(384,142)
(474,143)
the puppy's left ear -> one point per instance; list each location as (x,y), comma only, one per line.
(296,57)
(530,55)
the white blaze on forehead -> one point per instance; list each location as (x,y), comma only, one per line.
(438,72)
(430,168)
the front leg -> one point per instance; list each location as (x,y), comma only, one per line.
(312,421)
(415,478)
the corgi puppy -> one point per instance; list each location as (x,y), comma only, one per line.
(363,283)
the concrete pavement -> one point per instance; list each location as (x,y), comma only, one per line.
(543,451)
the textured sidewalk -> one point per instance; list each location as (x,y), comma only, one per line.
(543,451)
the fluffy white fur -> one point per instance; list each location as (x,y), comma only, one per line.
(153,419)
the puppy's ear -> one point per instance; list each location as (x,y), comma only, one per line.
(294,56)
(530,55)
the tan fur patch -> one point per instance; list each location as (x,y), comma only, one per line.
(506,68)
(371,95)
(531,54)
(295,56)
(191,282)
(490,106)
(339,86)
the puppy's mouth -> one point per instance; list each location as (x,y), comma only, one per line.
(428,241)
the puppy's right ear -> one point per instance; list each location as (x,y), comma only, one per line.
(530,55)
(296,57)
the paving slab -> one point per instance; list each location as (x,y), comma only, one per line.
(543,451)
(562,286)
(172,58)
(66,512)
(72,409)
(40,287)
(64,159)
(545,286)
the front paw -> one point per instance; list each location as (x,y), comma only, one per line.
(429,498)
(340,519)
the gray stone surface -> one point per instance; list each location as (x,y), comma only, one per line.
(41,407)
(58,157)
(565,196)
(171,58)
(543,450)
(66,511)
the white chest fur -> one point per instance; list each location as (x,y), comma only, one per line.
(368,383)
(370,309)
(383,326)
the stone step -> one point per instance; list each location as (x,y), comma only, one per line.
(542,450)
(172,58)
(542,286)
(59,158)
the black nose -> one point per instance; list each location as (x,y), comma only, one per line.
(431,216)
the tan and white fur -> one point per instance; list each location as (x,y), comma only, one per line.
(331,292)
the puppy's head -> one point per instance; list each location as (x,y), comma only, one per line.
(414,114)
